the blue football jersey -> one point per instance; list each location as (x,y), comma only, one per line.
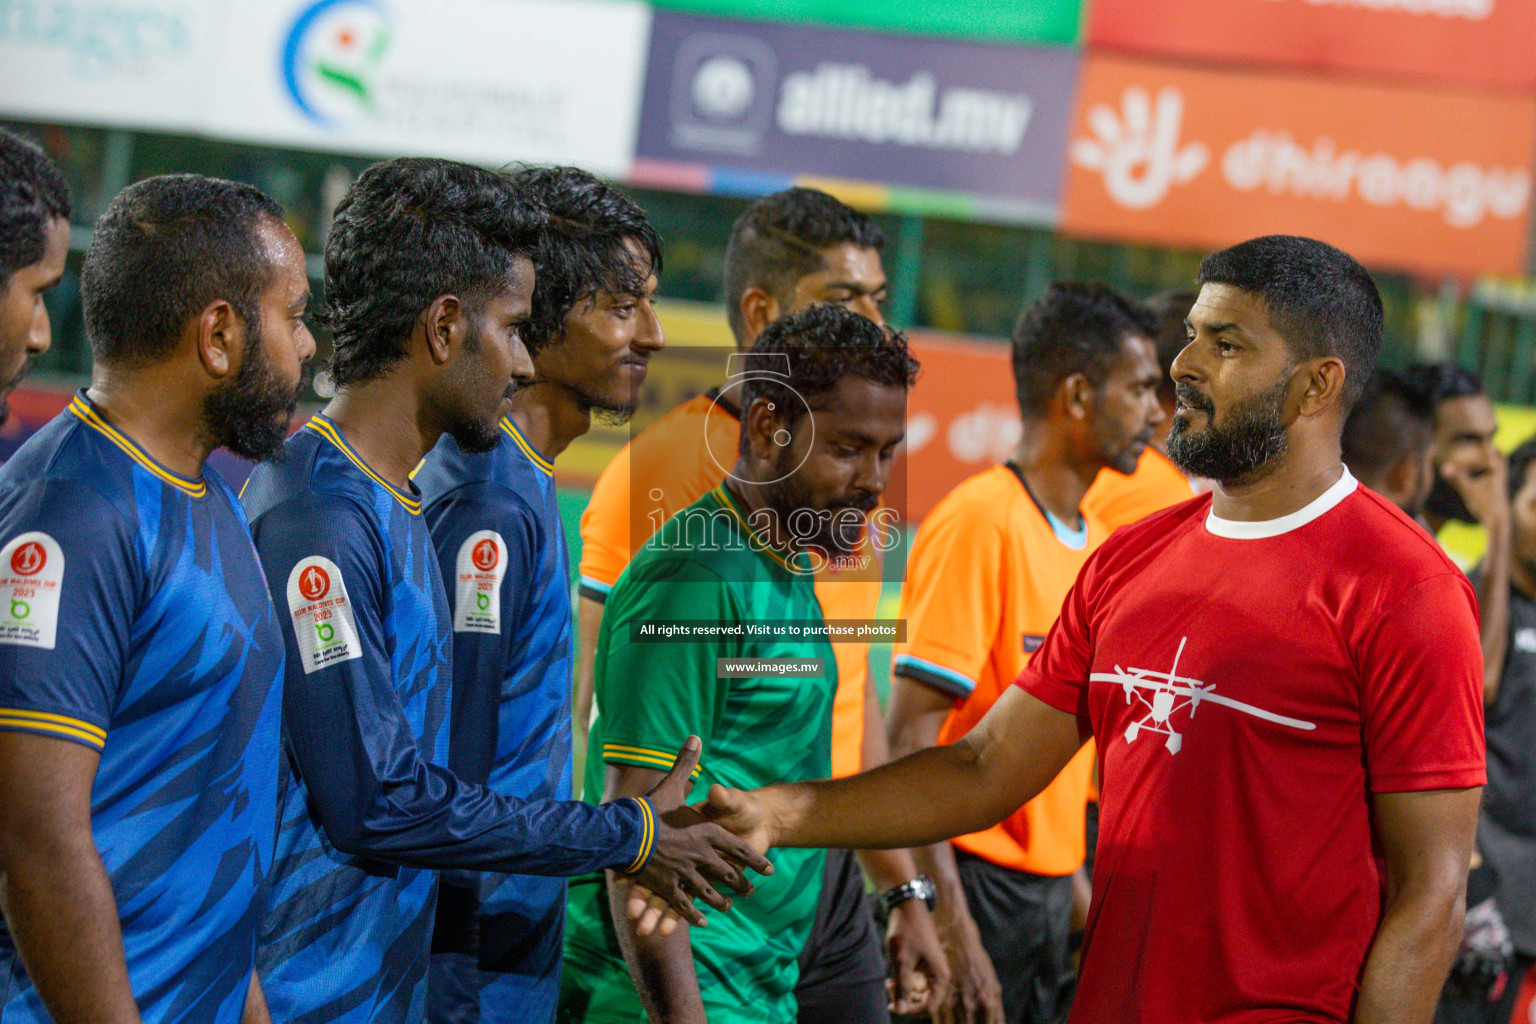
(501,547)
(135,620)
(369,804)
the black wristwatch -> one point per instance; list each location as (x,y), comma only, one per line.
(920,888)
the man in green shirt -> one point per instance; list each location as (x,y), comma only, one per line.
(824,407)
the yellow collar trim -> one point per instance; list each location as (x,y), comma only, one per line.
(723,497)
(327,430)
(510,429)
(91,418)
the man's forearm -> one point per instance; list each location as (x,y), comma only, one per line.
(661,966)
(908,802)
(1493,605)
(1409,959)
(256,1011)
(60,910)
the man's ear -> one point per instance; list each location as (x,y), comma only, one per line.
(220,338)
(446,325)
(762,424)
(1323,386)
(1075,393)
(758,310)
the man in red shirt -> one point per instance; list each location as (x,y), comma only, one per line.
(1285,684)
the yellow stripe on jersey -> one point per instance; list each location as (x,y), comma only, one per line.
(647,835)
(757,542)
(657,757)
(89,416)
(331,434)
(510,429)
(60,725)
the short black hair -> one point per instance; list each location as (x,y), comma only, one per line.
(164,249)
(1318,298)
(1439,382)
(1075,327)
(32,193)
(586,248)
(822,345)
(408,231)
(1520,461)
(1171,308)
(780,238)
(1391,421)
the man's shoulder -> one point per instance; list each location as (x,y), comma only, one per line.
(1379,538)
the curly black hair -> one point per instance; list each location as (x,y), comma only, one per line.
(163,250)
(1076,327)
(1438,382)
(408,231)
(32,193)
(1391,421)
(587,247)
(780,238)
(820,346)
(1318,298)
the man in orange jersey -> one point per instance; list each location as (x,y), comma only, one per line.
(787,251)
(1117,499)
(985,581)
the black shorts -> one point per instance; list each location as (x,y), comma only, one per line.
(842,970)
(1024,921)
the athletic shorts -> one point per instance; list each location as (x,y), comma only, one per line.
(1024,921)
(842,971)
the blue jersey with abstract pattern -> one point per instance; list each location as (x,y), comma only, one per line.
(501,547)
(136,622)
(369,805)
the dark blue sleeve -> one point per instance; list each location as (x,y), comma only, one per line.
(374,792)
(486,541)
(70,568)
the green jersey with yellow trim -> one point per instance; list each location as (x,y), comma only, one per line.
(707,567)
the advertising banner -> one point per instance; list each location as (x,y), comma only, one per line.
(1414,180)
(1491,42)
(955,116)
(1046,21)
(132,63)
(488,81)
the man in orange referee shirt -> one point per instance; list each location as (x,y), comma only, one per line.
(787,251)
(988,572)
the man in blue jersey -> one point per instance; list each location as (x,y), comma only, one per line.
(428,285)
(140,656)
(494,519)
(34,240)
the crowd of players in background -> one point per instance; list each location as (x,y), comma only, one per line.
(306,753)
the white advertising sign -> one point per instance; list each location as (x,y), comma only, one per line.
(487,81)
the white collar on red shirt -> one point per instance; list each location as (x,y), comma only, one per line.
(1234,529)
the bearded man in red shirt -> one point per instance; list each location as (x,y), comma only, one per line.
(1285,682)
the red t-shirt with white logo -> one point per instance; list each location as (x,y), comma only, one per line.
(1250,685)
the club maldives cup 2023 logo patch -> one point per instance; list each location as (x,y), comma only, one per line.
(478,572)
(321,614)
(31,580)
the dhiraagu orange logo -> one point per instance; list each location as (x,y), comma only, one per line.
(330,57)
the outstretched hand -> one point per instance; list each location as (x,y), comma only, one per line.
(741,812)
(688,854)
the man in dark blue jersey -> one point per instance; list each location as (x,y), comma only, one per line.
(494,519)
(140,657)
(428,285)
(34,240)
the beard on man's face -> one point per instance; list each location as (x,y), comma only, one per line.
(6,387)
(1446,503)
(249,413)
(834,534)
(1253,436)
(478,434)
